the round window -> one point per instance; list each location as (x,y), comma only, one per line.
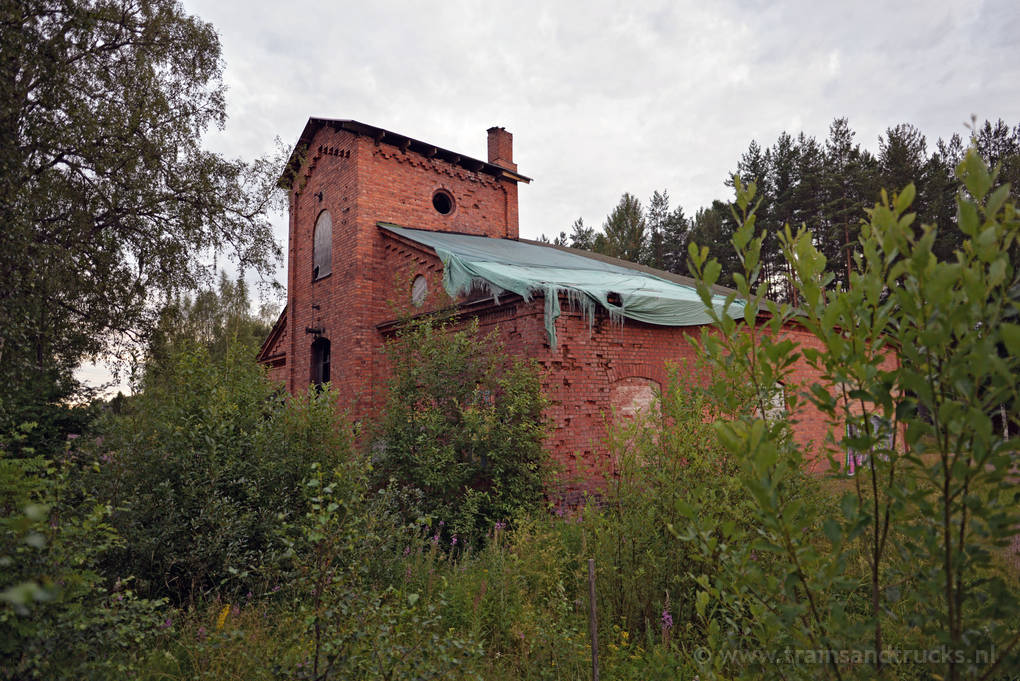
(442,201)
(419,289)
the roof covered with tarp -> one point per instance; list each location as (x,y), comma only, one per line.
(529,269)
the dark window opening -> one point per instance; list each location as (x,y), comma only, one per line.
(613,298)
(320,361)
(442,202)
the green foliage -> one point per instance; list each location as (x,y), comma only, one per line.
(581,236)
(463,429)
(367,595)
(665,461)
(714,225)
(624,232)
(60,618)
(214,319)
(43,400)
(107,198)
(357,626)
(202,468)
(916,356)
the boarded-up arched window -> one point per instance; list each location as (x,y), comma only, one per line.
(322,246)
(632,398)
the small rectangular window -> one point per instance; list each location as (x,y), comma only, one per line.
(320,361)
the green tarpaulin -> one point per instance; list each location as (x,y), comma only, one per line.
(529,269)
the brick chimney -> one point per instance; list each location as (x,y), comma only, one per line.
(501,148)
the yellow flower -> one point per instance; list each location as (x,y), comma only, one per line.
(624,635)
(223,616)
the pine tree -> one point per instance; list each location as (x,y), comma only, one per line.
(658,214)
(903,158)
(943,187)
(714,227)
(807,196)
(782,186)
(1000,146)
(674,239)
(849,178)
(582,237)
(624,232)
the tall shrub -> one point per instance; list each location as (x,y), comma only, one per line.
(60,617)
(463,428)
(203,468)
(916,355)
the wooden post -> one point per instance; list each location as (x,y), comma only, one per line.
(593,621)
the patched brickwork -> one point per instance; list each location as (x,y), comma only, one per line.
(633,397)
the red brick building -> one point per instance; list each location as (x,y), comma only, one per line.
(351,276)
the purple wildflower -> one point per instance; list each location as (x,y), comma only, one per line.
(667,620)
(167,623)
(276,588)
(235,611)
(248,596)
(201,633)
(435,538)
(453,542)
(407,550)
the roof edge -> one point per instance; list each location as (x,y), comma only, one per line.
(274,333)
(380,135)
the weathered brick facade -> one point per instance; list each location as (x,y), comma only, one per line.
(364,175)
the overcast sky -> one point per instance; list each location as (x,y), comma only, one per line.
(608,97)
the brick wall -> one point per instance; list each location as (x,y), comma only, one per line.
(595,372)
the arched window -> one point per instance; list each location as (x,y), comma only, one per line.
(320,361)
(419,289)
(322,246)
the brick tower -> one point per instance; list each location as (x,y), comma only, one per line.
(343,178)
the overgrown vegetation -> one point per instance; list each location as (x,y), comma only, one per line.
(462,435)
(917,355)
(211,527)
(203,468)
(110,202)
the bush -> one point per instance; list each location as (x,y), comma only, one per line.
(666,461)
(357,625)
(916,356)
(463,429)
(202,469)
(60,618)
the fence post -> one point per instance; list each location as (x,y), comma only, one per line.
(593,621)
